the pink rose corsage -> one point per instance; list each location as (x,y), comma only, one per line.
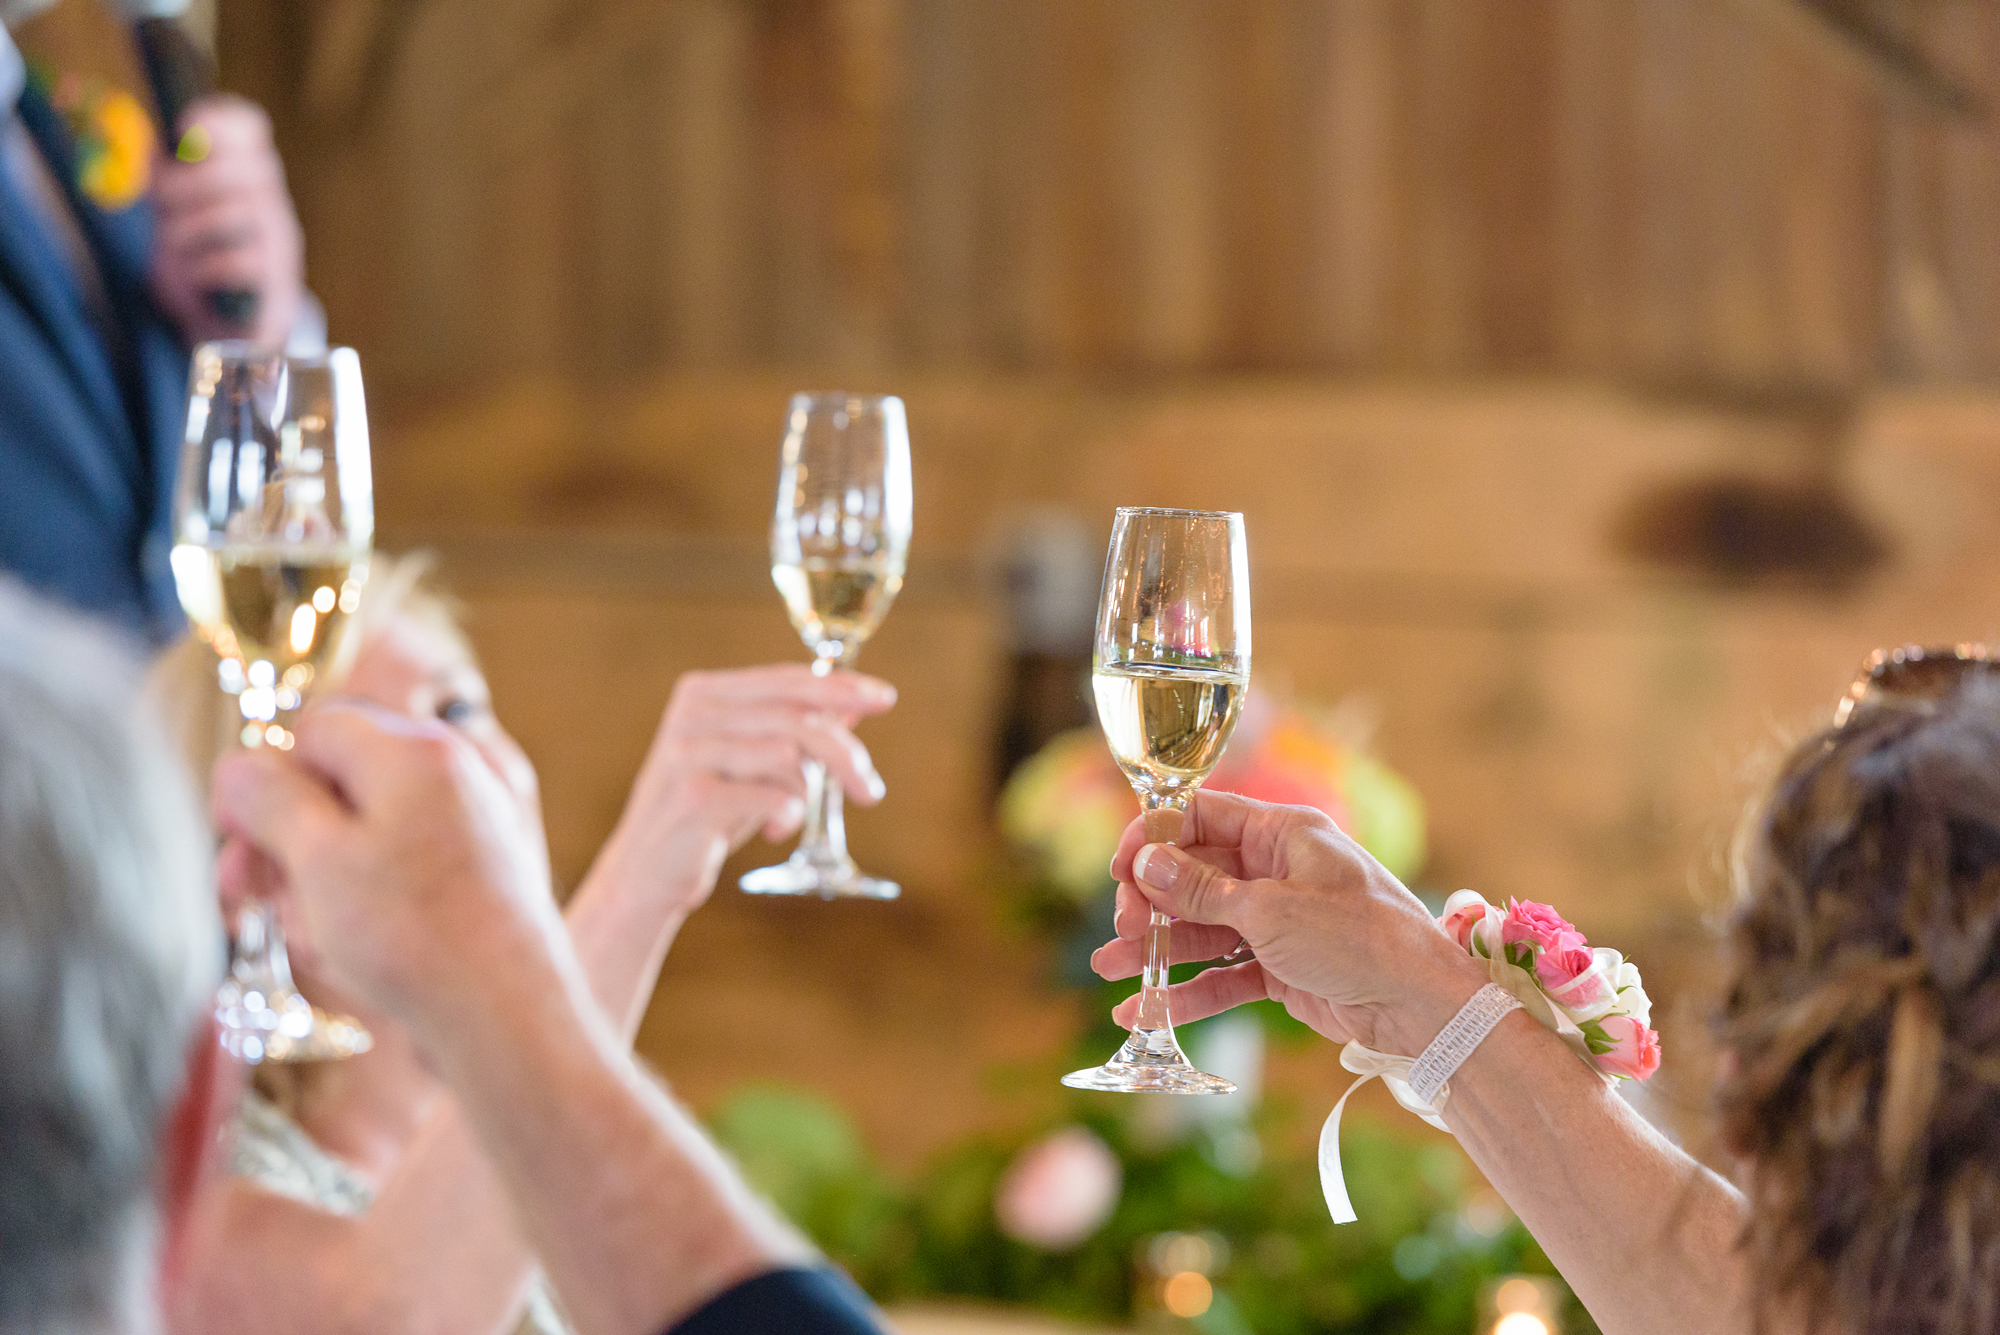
(1592,997)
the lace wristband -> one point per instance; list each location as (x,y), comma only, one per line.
(1456,1041)
(1418,1085)
(1593,1000)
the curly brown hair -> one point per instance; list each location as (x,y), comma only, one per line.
(1863,1022)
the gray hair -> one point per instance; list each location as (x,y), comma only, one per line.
(110,948)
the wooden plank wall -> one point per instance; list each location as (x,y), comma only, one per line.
(1676,191)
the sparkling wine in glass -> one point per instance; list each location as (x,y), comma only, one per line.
(1169,669)
(839,538)
(273,524)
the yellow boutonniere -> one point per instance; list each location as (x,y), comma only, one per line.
(117,174)
(115,139)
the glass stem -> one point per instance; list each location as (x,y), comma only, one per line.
(823,836)
(1163,826)
(260,961)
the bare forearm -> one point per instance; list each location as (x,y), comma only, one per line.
(625,915)
(1644,1234)
(440,1248)
(637,1218)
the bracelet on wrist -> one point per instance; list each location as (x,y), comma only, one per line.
(1593,999)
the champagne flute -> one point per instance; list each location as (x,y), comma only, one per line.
(274,518)
(1170,669)
(839,539)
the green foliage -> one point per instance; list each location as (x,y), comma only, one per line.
(1413,1265)
(1384,814)
(804,1155)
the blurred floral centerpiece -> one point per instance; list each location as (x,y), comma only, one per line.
(1065,807)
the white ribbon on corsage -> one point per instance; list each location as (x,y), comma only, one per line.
(1395,1072)
(1605,977)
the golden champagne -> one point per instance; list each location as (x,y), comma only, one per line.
(837,600)
(287,606)
(1167,725)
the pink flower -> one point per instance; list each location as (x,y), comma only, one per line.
(1059,1190)
(1563,966)
(1540,926)
(1635,1049)
(1585,982)
(1459,922)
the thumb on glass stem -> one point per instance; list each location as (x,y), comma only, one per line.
(1157,865)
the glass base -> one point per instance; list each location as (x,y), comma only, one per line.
(279,1025)
(1149,1063)
(803,876)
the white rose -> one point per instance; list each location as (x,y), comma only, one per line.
(1632,999)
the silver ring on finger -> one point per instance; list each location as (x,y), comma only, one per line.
(1242,951)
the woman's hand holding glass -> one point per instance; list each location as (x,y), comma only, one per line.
(840,536)
(729,763)
(1169,669)
(1337,940)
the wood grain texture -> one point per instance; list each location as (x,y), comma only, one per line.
(1688,193)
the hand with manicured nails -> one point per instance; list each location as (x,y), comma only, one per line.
(1338,940)
(403,850)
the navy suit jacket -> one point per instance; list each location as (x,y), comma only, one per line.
(89,441)
(786,1302)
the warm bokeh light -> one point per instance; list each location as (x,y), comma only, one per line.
(1188,1294)
(1171,1253)
(1486,1214)
(1521,1323)
(1518,1295)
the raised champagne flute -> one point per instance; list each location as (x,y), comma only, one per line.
(839,538)
(1169,668)
(273,523)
